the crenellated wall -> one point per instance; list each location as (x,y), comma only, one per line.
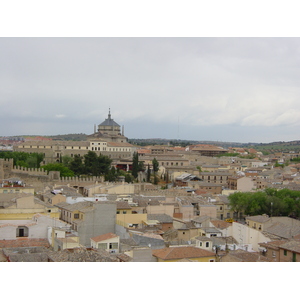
(29,171)
(40,178)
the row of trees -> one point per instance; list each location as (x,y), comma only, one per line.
(90,164)
(272,202)
(23,159)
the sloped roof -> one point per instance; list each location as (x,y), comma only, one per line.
(201,219)
(109,121)
(75,206)
(245,256)
(259,218)
(24,242)
(210,230)
(104,237)
(123,205)
(162,218)
(181,252)
(282,230)
(220,224)
(273,244)
(81,254)
(203,238)
(291,246)
(121,144)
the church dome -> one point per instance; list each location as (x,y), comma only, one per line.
(109,121)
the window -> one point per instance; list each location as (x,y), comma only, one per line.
(76,216)
(284,252)
(22,231)
(207,244)
(113,245)
(102,246)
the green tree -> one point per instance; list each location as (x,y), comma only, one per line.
(90,163)
(112,175)
(155,165)
(238,202)
(148,174)
(155,170)
(66,160)
(96,165)
(23,159)
(76,165)
(135,165)
(64,171)
(104,164)
(129,178)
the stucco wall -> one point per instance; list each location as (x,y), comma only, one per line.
(98,221)
(161,209)
(126,219)
(246,235)
(37,227)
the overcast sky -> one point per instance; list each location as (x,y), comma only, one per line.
(218,89)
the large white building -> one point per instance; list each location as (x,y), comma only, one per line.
(108,140)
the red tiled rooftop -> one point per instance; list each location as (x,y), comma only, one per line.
(24,242)
(104,237)
(181,252)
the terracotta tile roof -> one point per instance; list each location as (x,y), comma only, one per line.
(104,237)
(202,238)
(221,224)
(172,253)
(115,144)
(282,230)
(201,219)
(123,205)
(273,244)
(81,254)
(223,240)
(291,246)
(259,218)
(150,235)
(24,242)
(124,257)
(244,256)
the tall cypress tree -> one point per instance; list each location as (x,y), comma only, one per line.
(148,173)
(135,165)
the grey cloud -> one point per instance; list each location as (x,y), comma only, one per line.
(152,84)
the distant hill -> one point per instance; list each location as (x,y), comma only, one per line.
(69,137)
(291,146)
